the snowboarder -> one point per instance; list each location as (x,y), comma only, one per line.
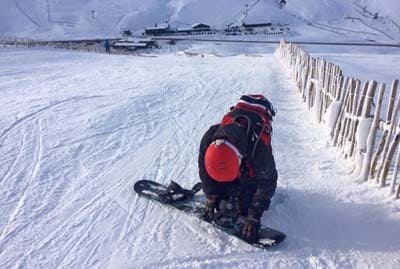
(236,164)
(107,46)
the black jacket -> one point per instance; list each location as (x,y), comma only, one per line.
(258,166)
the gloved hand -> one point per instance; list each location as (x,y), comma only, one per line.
(251,226)
(211,205)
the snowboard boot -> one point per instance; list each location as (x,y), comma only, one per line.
(227,213)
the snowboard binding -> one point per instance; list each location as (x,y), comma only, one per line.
(175,192)
(227,213)
(166,194)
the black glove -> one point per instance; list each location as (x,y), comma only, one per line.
(251,226)
(211,205)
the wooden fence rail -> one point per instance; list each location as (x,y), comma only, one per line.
(352,112)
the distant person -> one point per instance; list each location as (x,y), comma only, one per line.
(107,46)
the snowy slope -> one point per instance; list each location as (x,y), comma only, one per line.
(78,129)
(56,19)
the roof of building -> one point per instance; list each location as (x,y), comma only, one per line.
(136,39)
(264,24)
(129,44)
(200,25)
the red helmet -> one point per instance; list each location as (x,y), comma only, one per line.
(222,161)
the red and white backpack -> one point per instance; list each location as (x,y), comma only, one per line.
(255,113)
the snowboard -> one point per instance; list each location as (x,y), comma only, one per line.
(187,201)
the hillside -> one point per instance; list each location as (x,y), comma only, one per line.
(56,19)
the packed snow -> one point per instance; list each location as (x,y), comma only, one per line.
(79,129)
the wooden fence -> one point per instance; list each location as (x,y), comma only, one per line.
(352,112)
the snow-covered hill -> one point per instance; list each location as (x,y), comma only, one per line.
(79,129)
(56,19)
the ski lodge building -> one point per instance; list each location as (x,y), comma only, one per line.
(195,29)
(130,44)
(256,28)
(163,29)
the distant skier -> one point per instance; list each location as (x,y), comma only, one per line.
(282,3)
(107,46)
(236,165)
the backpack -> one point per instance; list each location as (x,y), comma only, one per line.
(249,120)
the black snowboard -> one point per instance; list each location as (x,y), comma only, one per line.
(185,200)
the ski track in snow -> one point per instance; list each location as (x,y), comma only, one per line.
(20,203)
(74,142)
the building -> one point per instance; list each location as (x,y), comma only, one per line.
(259,28)
(163,29)
(134,43)
(126,33)
(256,25)
(201,27)
(185,31)
(126,45)
(166,29)
(232,30)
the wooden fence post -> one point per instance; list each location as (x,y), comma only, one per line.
(389,148)
(392,126)
(388,129)
(372,133)
(311,86)
(398,192)
(346,120)
(340,120)
(394,178)
(318,90)
(354,122)
(386,162)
